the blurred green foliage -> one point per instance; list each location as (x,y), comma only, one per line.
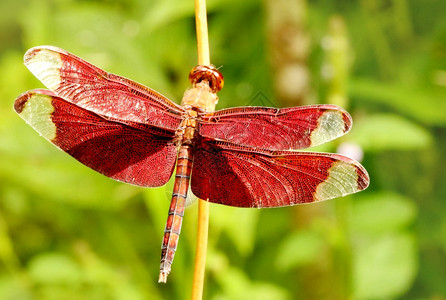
(67,232)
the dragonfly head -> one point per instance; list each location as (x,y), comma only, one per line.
(208,74)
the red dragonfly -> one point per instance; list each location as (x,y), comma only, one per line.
(241,156)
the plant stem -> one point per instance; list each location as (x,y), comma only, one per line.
(201,24)
(203,205)
(200,254)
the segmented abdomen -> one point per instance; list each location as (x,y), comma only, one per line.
(176,210)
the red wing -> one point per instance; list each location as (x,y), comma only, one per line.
(93,89)
(237,176)
(277,129)
(141,155)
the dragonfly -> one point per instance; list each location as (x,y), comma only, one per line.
(242,157)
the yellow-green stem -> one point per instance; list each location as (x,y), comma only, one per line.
(203,205)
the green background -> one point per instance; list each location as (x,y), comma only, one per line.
(67,232)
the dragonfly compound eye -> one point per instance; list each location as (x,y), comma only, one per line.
(209,74)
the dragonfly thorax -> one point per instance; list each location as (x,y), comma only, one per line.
(200,96)
(185,133)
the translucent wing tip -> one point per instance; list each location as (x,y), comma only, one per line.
(345,177)
(45,62)
(35,50)
(36,108)
(20,102)
(332,123)
(363,177)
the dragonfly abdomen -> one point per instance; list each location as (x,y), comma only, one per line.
(176,210)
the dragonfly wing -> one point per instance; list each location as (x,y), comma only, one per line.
(237,176)
(93,89)
(277,129)
(140,154)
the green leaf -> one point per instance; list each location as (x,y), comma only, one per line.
(425,104)
(389,132)
(384,267)
(236,285)
(238,223)
(54,268)
(12,288)
(381,212)
(298,249)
